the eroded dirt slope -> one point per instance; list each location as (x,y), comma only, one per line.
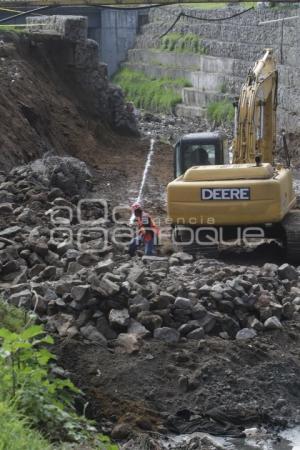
(41,110)
(190,386)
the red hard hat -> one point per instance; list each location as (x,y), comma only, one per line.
(136,206)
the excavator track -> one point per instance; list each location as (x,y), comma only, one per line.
(291,227)
(204,251)
(193,248)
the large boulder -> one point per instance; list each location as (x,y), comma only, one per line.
(66,173)
(288,272)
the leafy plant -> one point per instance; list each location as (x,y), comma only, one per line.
(25,378)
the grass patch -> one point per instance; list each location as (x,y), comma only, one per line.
(216,5)
(15,29)
(220,112)
(213,5)
(153,94)
(14,319)
(182,43)
(15,432)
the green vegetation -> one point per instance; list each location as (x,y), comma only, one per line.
(213,5)
(16,29)
(223,87)
(216,5)
(284,6)
(153,94)
(15,319)
(39,407)
(182,43)
(221,111)
(15,431)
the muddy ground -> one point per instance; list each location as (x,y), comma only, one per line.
(225,385)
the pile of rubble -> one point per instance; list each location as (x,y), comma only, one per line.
(82,288)
(170,128)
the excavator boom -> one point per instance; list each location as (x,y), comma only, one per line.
(255,127)
(252,193)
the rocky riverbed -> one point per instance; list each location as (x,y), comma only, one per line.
(170,128)
(168,344)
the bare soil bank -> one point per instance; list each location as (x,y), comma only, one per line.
(213,385)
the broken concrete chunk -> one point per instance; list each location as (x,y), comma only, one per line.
(288,272)
(92,334)
(128,343)
(136,274)
(10,231)
(166,334)
(245,334)
(137,328)
(109,287)
(149,320)
(183,303)
(119,318)
(22,298)
(198,333)
(80,293)
(103,266)
(273,323)
(138,304)
(87,259)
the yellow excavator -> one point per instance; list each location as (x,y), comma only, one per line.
(211,201)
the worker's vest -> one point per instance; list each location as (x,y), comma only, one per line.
(147,227)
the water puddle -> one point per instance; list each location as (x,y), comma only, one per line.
(286,440)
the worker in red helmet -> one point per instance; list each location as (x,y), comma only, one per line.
(147,230)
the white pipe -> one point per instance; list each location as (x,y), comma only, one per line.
(145,174)
(278,20)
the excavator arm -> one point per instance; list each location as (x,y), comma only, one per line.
(255,124)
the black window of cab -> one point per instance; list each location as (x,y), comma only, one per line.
(200,149)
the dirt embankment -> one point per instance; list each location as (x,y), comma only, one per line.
(215,386)
(44,108)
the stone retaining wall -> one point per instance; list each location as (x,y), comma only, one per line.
(76,58)
(231,48)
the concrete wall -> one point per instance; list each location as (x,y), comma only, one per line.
(118,33)
(114,31)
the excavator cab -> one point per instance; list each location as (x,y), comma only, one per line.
(200,149)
